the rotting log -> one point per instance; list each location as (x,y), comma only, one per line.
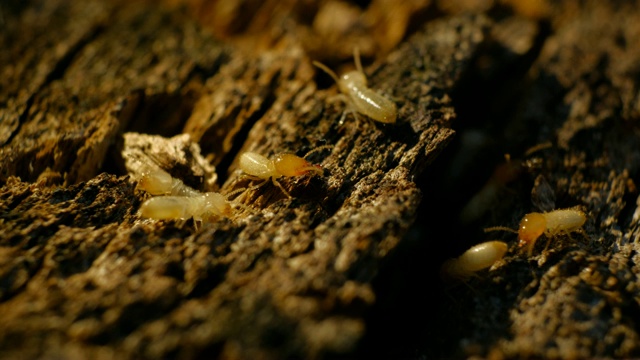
(84,276)
(343,262)
(581,297)
(566,110)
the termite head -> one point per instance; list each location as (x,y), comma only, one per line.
(217,204)
(155,182)
(348,80)
(355,78)
(292,165)
(531,227)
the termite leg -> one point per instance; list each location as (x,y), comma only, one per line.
(348,107)
(181,223)
(319,148)
(254,187)
(341,121)
(273,180)
(347,111)
(351,110)
(237,191)
(277,183)
(240,191)
(243,191)
(547,245)
(531,244)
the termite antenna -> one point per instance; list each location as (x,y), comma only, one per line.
(327,70)
(318,149)
(315,168)
(500,228)
(356,59)
(536,148)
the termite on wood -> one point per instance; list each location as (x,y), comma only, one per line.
(477,258)
(552,223)
(200,207)
(562,221)
(260,167)
(358,97)
(160,182)
(181,201)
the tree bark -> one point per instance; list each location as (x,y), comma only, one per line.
(93,93)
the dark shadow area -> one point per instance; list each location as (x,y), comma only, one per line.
(417,314)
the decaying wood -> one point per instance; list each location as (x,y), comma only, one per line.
(179,156)
(580,302)
(82,275)
(291,279)
(578,112)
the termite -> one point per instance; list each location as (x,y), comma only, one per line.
(552,223)
(562,221)
(477,258)
(160,182)
(358,97)
(200,207)
(181,201)
(281,165)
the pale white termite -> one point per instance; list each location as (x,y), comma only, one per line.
(477,258)
(353,86)
(280,165)
(160,182)
(552,223)
(199,207)
(181,201)
(556,222)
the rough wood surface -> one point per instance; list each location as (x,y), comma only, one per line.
(343,263)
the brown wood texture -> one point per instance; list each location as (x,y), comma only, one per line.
(93,93)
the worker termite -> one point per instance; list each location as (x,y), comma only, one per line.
(199,207)
(281,165)
(477,258)
(181,201)
(358,97)
(160,182)
(562,221)
(556,222)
